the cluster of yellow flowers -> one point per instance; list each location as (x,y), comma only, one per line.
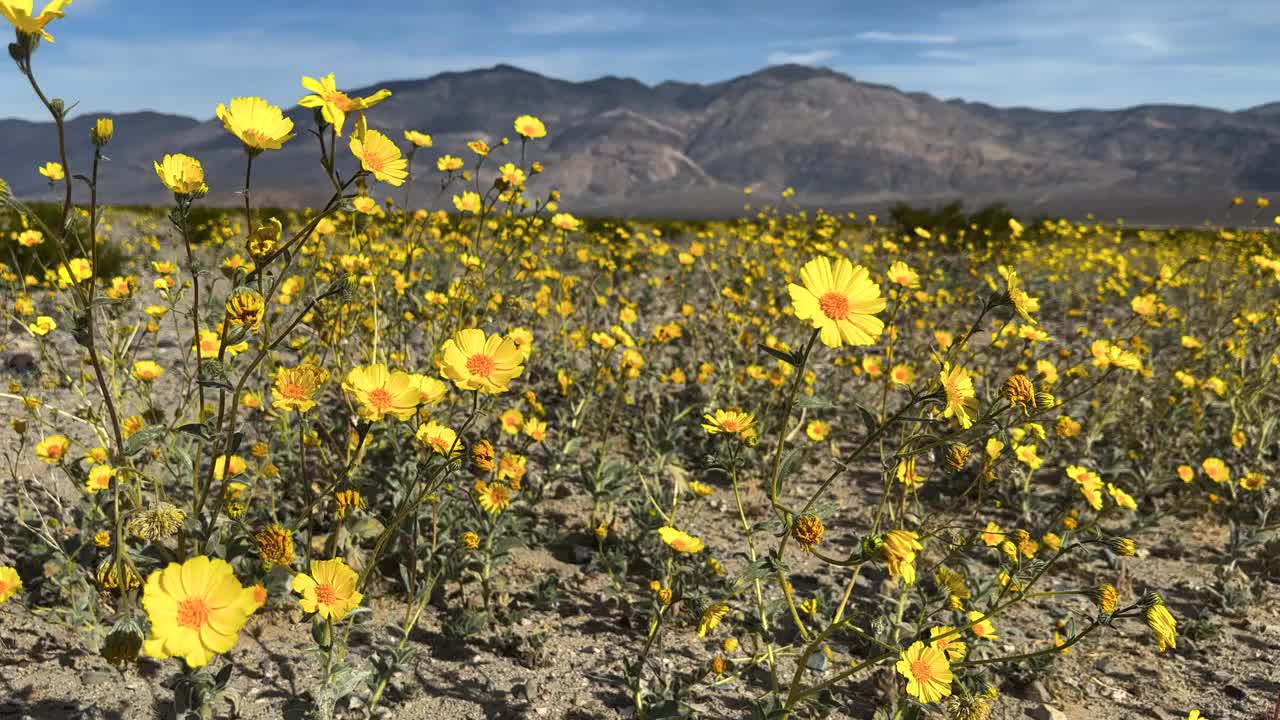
(364,375)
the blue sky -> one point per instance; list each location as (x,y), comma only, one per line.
(186,56)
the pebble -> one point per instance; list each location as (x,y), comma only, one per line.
(1045,711)
(1036,691)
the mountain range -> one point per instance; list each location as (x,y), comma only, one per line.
(618,146)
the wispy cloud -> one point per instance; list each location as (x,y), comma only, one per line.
(1144,40)
(577,23)
(906,38)
(939,54)
(813,57)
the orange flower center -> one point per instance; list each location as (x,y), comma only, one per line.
(4,587)
(293,391)
(380,399)
(255,138)
(921,671)
(193,613)
(55,451)
(834,305)
(372,162)
(325,594)
(481,365)
(732,426)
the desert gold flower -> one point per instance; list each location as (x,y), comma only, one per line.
(257,123)
(952,646)
(196,610)
(927,672)
(680,541)
(19,12)
(42,326)
(418,139)
(295,388)
(1163,626)
(265,238)
(493,497)
(51,170)
(246,307)
(381,392)
(347,502)
(330,589)
(182,174)
(711,617)
(439,439)
(511,467)
(1089,483)
(10,583)
(147,370)
(1121,498)
(228,465)
(902,274)
(1253,481)
(731,422)
(467,202)
(378,155)
(906,473)
(432,389)
(818,430)
(275,546)
(962,400)
(474,361)
(982,628)
(899,552)
(840,302)
(99,478)
(1107,354)
(1023,303)
(530,127)
(53,449)
(335,104)
(566,222)
(1216,469)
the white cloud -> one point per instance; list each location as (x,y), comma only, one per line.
(813,57)
(937,54)
(575,23)
(1143,39)
(906,38)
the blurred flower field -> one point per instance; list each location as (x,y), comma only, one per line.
(795,465)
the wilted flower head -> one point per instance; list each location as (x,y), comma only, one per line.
(160,521)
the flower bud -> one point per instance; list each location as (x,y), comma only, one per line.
(123,643)
(1019,391)
(1106,598)
(957,457)
(1124,547)
(102,131)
